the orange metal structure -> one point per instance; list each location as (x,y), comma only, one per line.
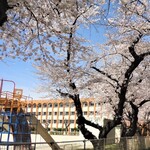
(13,117)
(16,121)
(12,100)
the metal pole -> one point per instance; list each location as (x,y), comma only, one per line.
(104,143)
(1,87)
(84,144)
(13,84)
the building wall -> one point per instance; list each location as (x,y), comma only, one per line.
(54,114)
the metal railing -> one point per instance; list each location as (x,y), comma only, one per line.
(127,143)
(130,143)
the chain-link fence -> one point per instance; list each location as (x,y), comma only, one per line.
(132,143)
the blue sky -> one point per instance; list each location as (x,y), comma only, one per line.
(22,73)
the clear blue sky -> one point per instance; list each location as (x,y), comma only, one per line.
(23,74)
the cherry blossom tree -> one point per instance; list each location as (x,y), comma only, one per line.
(119,70)
(130,43)
(68,63)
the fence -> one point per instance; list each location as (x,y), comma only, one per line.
(131,143)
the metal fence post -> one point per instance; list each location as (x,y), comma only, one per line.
(84,144)
(52,145)
(104,144)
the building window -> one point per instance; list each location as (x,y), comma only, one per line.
(39,113)
(49,121)
(66,121)
(61,113)
(72,113)
(44,121)
(55,113)
(55,105)
(50,113)
(60,121)
(61,104)
(66,105)
(55,121)
(39,105)
(99,104)
(85,112)
(91,104)
(44,113)
(29,105)
(91,112)
(84,104)
(66,113)
(50,105)
(71,121)
(44,105)
(72,129)
(34,105)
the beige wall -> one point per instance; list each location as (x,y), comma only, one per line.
(60,113)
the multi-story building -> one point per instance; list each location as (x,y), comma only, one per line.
(61,114)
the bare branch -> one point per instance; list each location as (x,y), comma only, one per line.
(143,102)
(87,122)
(105,74)
(65,94)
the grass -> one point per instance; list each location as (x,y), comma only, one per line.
(83,149)
(112,147)
(107,147)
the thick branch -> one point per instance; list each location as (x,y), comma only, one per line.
(65,94)
(87,122)
(143,102)
(137,60)
(132,47)
(105,74)
(145,54)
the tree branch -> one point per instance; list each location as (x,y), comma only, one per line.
(106,74)
(65,94)
(145,54)
(132,47)
(143,102)
(87,122)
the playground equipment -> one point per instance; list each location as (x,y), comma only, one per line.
(15,121)
(13,116)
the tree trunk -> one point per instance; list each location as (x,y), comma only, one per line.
(81,124)
(3,8)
